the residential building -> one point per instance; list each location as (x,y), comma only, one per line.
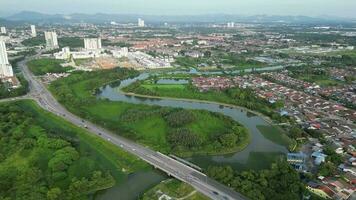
(92,43)
(231,24)
(33,31)
(5,67)
(141,22)
(3,30)
(51,40)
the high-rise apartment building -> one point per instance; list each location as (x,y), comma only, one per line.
(5,67)
(51,40)
(92,43)
(3,30)
(33,31)
(231,24)
(141,22)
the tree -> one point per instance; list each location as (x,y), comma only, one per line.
(228,140)
(54,194)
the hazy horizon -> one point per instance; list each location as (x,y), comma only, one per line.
(340,8)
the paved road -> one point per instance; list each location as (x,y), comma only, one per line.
(199,181)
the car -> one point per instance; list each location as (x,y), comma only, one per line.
(109,139)
(99,133)
(216,193)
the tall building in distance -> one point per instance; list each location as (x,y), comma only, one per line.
(92,43)
(51,40)
(5,67)
(3,30)
(141,22)
(231,24)
(33,31)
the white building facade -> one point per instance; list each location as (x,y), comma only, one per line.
(92,43)
(51,40)
(3,30)
(141,22)
(33,31)
(231,24)
(5,67)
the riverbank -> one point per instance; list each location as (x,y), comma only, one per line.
(266,118)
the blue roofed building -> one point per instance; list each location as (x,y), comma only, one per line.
(297,160)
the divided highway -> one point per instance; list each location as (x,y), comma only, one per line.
(176,169)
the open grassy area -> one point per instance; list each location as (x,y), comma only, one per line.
(46,65)
(53,132)
(203,133)
(174,189)
(322,80)
(177,91)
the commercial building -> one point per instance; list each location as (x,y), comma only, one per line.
(33,31)
(141,22)
(5,67)
(297,160)
(51,40)
(3,30)
(122,52)
(92,43)
(64,54)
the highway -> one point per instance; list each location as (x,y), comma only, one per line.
(174,168)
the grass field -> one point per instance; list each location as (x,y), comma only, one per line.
(184,91)
(321,80)
(46,65)
(174,189)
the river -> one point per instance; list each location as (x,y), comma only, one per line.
(259,154)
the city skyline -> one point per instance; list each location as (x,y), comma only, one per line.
(341,8)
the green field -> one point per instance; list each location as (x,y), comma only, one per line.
(322,80)
(43,66)
(44,155)
(197,132)
(174,189)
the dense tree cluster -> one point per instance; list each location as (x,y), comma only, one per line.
(8,92)
(35,164)
(179,118)
(280,182)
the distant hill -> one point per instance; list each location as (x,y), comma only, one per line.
(33,17)
(10,23)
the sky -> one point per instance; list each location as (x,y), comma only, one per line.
(341,8)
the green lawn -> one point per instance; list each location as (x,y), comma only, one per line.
(46,65)
(174,189)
